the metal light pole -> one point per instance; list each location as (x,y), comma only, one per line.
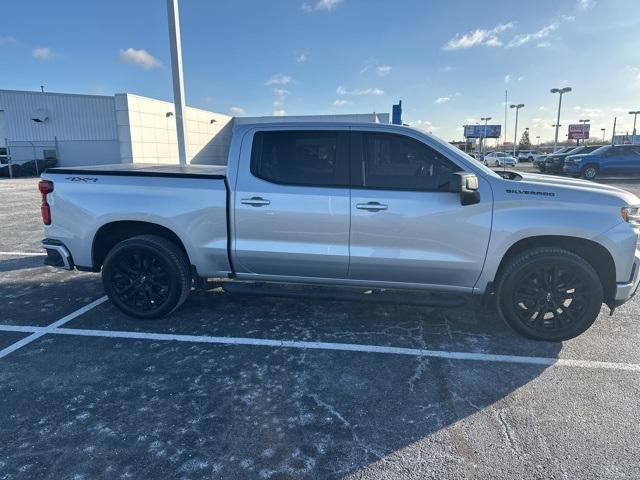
(603,129)
(583,122)
(178,81)
(561,91)
(538,138)
(515,133)
(635,117)
(484,134)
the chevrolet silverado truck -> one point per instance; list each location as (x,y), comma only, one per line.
(349,205)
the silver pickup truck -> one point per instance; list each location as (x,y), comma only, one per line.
(360,205)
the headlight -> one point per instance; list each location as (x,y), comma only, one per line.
(631,214)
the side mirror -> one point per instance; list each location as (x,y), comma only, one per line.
(467,185)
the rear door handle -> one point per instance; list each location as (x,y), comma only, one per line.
(371,206)
(255,201)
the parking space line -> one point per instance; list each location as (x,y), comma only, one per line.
(40,331)
(24,254)
(348,347)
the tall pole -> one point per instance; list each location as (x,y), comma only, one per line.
(603,130)
(515,134)
(561,91)
(178,81)
(635,116)
(613,134)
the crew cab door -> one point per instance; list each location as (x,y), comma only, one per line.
(291,204)
(405,226)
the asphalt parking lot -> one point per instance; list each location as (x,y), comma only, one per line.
(252,387)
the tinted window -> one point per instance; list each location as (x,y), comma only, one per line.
(401,163)
(300,157)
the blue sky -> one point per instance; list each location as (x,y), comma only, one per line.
(449,61)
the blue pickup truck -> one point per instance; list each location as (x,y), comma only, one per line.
(607,160)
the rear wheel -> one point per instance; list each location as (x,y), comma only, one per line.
(549,294)
(590,172)
(147,276)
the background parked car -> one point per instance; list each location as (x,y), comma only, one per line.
(554,163)
(607,160)
(539,162)
(499,159)
(527,155)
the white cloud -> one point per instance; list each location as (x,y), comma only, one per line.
(43,53)
(279,113)
(279,79)
(281,92)
(6,40)
(321,5)
(383,70)
(523,39)
(142,58)
(237,110)
(442,100)
(520,78)
(586,4)
(507,78)
(635,71)
(446,68)
(340,102)
(301,58)
(359,91)
(489,38)
(424,125)
(544,44)
(588,112)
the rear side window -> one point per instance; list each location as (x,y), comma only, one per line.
(396,162)
(315,158)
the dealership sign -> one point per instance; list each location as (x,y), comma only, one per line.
(482,131)
(579,131)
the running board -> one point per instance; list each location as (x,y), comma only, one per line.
(426,299)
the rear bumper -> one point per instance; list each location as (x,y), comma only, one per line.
(57,254)
(626,291)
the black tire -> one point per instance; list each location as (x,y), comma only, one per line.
(549,294)
(590,172)
(147,276)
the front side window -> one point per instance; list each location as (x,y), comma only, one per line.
(397,162)
(316,158)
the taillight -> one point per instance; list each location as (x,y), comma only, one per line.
(45,187)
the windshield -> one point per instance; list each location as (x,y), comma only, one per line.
(601,150)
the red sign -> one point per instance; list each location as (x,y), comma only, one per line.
(579,131)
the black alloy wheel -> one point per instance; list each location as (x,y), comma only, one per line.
(146,276)
(549,294)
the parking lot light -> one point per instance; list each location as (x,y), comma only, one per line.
(484,135)
(635,117)
(602,130)
(515,133)
(560,91)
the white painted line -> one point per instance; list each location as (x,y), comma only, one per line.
(40,331)
(348,347)
(24,254)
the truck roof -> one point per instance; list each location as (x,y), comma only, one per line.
(146,170)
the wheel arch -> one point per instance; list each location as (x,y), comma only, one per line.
(109,234)
(593,252)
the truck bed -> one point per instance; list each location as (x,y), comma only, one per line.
(146,170)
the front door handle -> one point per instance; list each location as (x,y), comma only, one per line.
(371,206)
(255,201)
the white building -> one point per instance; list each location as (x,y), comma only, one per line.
(92,129)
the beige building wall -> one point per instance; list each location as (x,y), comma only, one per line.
(147,134)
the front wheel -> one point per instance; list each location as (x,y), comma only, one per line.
(590,172)
(549,294)
(147,276)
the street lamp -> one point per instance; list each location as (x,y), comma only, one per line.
(583,122)
(602,130)
(560,91)
(538,138)
(515,133)
(635,116)
(484,134)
